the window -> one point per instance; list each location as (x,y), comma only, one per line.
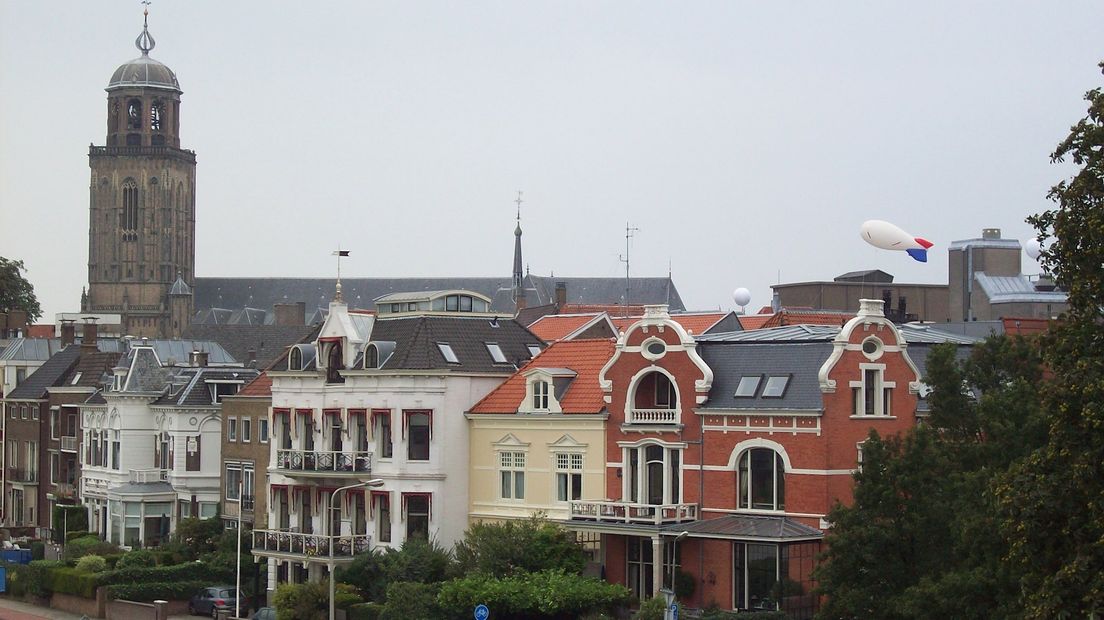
(448,353)
(383,520)
(34,412)
(371,357)
(748,385)
(23,412)
(156,111)
(247,486)
(55,467)
(53,423)
(208,510)
(262,430)
(776,386)
(12,411)
(419,434)
(231,429)
(129,216)
(134,114)
(383,433)
(246,430)
(20,375)
(233,481)
(873,394)
(654,474)
(295,359)
(116,448)
(664,392)
(512,472)
(458,303)
(757,571)
(222,389)
(496,353)
(417,516)
(534,350)
(540,395)
(569,476)
(762,480)
(335,362)
(13,453)
(76,379)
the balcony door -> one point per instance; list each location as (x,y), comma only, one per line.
(654,475)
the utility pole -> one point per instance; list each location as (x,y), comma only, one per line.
(629,230)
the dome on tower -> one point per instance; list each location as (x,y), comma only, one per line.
(144,71)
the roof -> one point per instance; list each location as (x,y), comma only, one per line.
(749,527)
(583,395)
(94,368)
(800,361)
(190,387)
(754,321)
(360,292)
(693,322)
(48,375)
(416,341)
(261,386)
(1015,289)
(1007,244)
(267,342)
(787,316)
(180,287)
(559,326)
(422,295)
(865,275)
(171,351)
(926,333)
(31,349)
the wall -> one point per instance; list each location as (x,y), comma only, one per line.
(255,409)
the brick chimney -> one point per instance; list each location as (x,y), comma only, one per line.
(291,313)
(561,295)
(68,332)
(90,333)
(199,359)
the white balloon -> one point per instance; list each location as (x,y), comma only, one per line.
(741,296)
(1033,249)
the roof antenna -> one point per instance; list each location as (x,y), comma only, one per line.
(629,230)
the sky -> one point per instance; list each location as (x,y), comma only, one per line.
(746,141)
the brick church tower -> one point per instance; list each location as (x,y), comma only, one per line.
(141,233)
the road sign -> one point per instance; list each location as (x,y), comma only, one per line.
(674,611)
(481,612)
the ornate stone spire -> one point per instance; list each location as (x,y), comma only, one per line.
(145,41)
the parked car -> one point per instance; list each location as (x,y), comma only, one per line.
(264,613)
(208,601)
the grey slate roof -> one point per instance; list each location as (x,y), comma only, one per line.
(145,373)
(142,488)
(1015,289)
(927,333)
(190,388)
(31,349)
(866,275)
(268,342)
(748,527)
(48,375)
(176,351)
(416,341)
(800,360)
(227,293)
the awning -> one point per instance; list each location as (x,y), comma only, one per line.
(764,528)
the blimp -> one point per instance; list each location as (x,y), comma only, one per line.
(886,236)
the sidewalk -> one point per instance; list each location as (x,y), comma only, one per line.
(17,610)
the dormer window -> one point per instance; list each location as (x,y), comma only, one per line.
(221,389)
(458,303)
(540,394)
(534,350)
(496,353)
(371,357)
(872,395)
(335,363)
(448,353)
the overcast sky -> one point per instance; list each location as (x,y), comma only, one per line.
(747,141)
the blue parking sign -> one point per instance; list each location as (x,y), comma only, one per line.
(674,611)
(481,612)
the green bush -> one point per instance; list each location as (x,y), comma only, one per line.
(685,584)
(717,614)
(92,564)
(310,601)
(73,581)
(190,571)
(407,599)
(652,609)
(113,559)
(544,594)
(418,560)
(364,611)
(73,535)
(36,577)
(138,558)
(72,518)
(367,573)
(38,550)
(88,545)
(149,592)
(534,544)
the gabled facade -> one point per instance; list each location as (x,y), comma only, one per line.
(379,398)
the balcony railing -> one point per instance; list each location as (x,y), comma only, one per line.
(653,416)
(625,512)
(272,542)
(230,508)
(132,151)
(22,475)
(149,475)
(69,444)
(65,489)
(323,461)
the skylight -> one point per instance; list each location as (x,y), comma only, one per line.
(748,385)
(76,378)
(446,350)
(534,350)
(776,386)
(496,353)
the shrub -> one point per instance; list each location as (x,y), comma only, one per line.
(190,571)
(716,614)
(545,594)
(73,535)
(92,564)
(685,584)
(17,579)
(364,611)
(531,545)
(310,601)
(113,559)
(367,573)
(38,550)
(138,558)
(414,600)
(88,545)
(71,518)
(68,580)
(652,609)
(37,579)
(198,536)
(149,592)
(418,560)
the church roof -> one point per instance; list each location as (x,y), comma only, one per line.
(144,72)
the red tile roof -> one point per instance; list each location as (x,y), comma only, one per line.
(553,327)
(612,309)
(40,331)
(261,386)
(585,357)
(754,321)
(795,316)
(696,322)
(1025,326)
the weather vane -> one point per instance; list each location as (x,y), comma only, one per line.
(518,201)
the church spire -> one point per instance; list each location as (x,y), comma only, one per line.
(518,274)
(145,41)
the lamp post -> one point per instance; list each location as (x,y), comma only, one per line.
(237,565)
(374,482)
(667,611)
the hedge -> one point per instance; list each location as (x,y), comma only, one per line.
(743,615)
(546,594)
(149,592)
(364,611)
(190,571)
(68,580)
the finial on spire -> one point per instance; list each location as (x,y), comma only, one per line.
(339,253)
(517,231)
(145,41)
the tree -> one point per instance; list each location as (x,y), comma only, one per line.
(16,293)
(530,545)
(1053,502)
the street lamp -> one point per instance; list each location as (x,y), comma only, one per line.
(374,482)
(669,593)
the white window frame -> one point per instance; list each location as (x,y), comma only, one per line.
(246,430)
(511,467)
(262,430)
(567,465)
(883,393)
(232,429)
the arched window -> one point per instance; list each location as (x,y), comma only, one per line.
(295,359)
(156,111)
(371,357)
(129,219)
(334,363)
(134,114)
(762,480)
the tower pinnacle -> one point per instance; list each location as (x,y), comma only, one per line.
(145,41)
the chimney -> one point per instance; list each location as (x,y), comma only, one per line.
(561,295)
(990,233)
(901,306)
(291,314)
(199,359)
(871,307)
(251,356)
(68,332)
(90,333)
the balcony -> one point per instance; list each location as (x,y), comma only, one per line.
(323,463)
(637,514)
(65,490)
(24,476)
(653,416)
(69,444)
(308,547)
(230,508)
(139,476)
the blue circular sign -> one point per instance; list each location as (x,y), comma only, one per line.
(481,612)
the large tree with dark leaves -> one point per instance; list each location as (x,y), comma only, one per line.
(1053,502)
(16,293)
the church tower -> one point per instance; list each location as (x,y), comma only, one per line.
(141,231)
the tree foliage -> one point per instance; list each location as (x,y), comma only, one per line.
(1053,502)
(500,549)
(16,292)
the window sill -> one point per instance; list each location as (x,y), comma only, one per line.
(873,417)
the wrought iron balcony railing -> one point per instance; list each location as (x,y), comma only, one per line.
(283,542)
(626,512)
(323,461)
